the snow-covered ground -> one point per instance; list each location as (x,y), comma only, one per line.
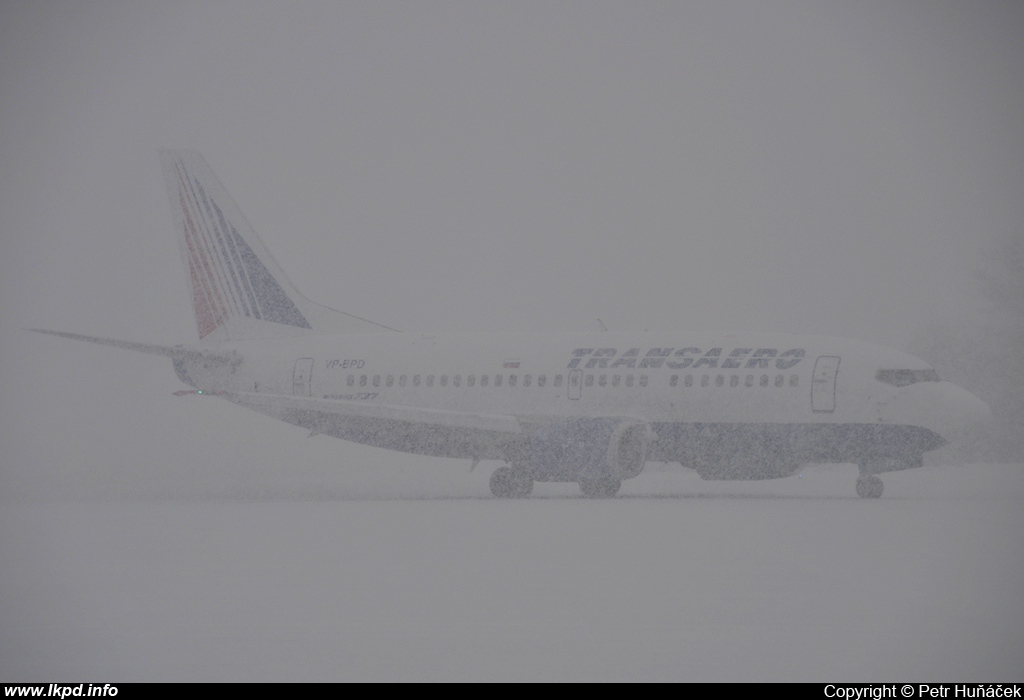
(676,579)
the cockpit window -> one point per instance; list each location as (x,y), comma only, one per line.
(906,377)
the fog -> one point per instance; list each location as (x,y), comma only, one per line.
(850,169)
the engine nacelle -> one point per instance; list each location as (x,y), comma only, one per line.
(584,448)
(627,449)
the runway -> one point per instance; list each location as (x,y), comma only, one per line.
(676,579)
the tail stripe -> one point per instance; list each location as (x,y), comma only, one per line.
(231,252)
(208,315)
(216,267)
(237,261)
(200,250)
(213,244)
(234,264)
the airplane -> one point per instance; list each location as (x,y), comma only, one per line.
(590,408)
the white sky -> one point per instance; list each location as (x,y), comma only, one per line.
(793,166)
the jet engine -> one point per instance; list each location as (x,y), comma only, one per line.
(627,449)
(590,448)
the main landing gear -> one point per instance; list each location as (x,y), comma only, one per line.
(507,482)
(600,487)
(869,486)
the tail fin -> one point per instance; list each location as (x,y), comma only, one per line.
(239,292)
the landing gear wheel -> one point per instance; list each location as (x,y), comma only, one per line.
(869,486)
(507,482)
(523,485)
(601,487)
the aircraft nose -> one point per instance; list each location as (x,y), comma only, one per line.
(942,407)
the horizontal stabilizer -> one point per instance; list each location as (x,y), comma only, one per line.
(175,353)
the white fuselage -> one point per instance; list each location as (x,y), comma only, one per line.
(670,381)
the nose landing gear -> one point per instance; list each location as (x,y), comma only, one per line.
(869,486)
(600,487)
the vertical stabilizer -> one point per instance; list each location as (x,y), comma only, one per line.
(238,290)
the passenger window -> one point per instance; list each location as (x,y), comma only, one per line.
(749,381)
(719,380)
(602,380)
(484,379)
(362,380)
(558,380)
(526,380)
(674,381)
(734,381)
(794,379)
(764,380)
(457,380)
(390,381)
(497,379)
(444,380)
(415,380)
(704,380)
(471,380)
(542,380)
(351,381)
(779,379)
(615,379)
(629,380)
(589,381)
(688,381)
(401,380)
(512,379)
(643,380)
(430,380)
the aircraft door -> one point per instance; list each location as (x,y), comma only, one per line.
(575,383)
(301,385)
(823,384)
